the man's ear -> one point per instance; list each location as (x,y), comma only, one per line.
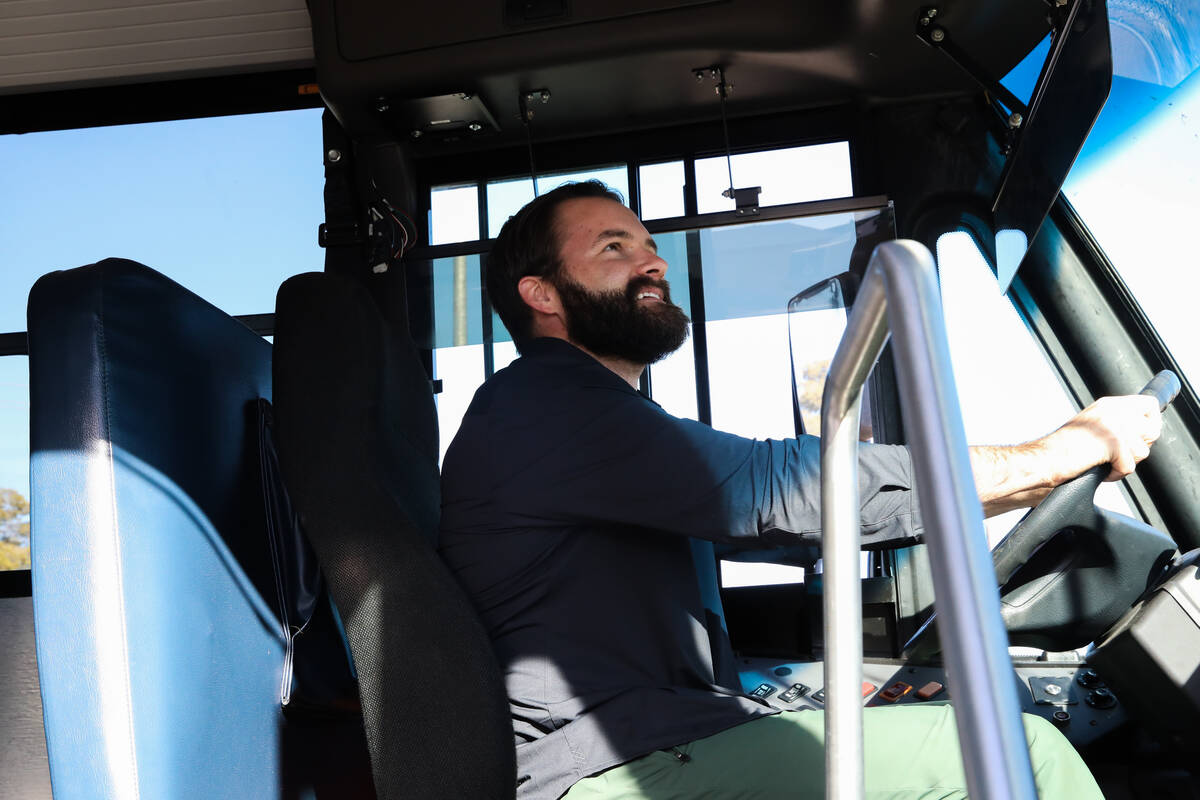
(539,295)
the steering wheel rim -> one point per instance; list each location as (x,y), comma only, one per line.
(1070,504)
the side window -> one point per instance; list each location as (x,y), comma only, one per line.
(459,360)
(454,214)
(226,206)
(1008,391)
(746,374)
(787,175)
(14,462)
(505,198)
(661,190)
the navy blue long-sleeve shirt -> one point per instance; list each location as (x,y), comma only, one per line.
(567,503)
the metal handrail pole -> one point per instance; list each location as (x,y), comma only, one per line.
(900,283)
(974,640)
(866,333)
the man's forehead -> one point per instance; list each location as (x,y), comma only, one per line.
(589,216)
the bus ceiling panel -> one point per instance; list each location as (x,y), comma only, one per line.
(63,44)
(616,65)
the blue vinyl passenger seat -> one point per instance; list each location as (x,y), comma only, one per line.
(168,579)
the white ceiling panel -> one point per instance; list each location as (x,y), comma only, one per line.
(60,44)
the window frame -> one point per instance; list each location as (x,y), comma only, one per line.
(428,253)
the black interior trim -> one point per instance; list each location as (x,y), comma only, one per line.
(16,583)
(14,344)
(262,324)
(701,139)
(159,101)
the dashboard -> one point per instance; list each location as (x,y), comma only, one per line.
(1068,694)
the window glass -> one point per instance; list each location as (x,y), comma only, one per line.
(1136,183)
(457,336)
(1008,391)
(14,462)
(750,273)
(1022,79)
(750,376)
(504,352)
(673,380)
(457,301)
(814,339)
(660,190)
(754,573)
(460,368)
(789,175)
(505,198)
(226,206)
(454,214)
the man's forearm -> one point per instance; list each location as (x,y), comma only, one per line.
(1113,430)
(1010,477)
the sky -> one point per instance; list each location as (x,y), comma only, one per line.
(227,206)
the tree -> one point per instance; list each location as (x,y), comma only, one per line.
(14,530)
(809,387)
(13,556)
(809,390)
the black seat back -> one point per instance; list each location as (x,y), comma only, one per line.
(357,438)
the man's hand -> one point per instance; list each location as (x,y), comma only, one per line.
(1112,430)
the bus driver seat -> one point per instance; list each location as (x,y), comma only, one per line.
(358,444)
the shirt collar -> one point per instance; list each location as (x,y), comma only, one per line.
(550,347)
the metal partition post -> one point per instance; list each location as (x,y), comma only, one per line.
(900,284)
(865,335)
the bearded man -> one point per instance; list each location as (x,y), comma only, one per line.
(567,503)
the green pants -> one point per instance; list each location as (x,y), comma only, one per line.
(911,753)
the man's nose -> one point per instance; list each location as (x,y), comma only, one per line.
(653,265)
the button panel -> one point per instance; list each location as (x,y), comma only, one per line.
(794,693)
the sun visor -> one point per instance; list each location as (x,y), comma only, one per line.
(1067,99)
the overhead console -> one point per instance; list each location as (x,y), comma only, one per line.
(360,35)
(472,73)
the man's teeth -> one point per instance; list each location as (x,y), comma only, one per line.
(649,294)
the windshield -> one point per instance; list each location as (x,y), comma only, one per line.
(1137,181)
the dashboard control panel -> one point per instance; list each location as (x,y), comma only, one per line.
(1070,695)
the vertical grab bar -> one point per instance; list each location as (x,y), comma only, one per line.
(899,292)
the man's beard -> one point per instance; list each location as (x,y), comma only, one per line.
(615,323)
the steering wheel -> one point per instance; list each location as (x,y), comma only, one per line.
(1069,505)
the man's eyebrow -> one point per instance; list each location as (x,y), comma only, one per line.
(621,233)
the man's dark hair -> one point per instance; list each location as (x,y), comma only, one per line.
(529,244)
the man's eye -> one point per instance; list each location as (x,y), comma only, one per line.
(613,246)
